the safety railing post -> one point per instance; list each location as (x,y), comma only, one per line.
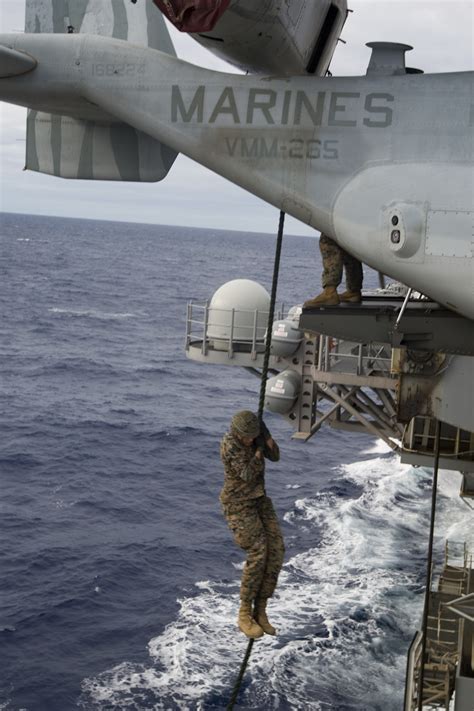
(359,360)
(320,352)
(231,337)
(204,331)
(189,315)
(253,354)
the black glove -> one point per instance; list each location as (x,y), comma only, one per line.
(261,440)
(264,431)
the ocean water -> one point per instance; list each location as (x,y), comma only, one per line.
(119,578)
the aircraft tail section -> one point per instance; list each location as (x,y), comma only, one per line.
(85,150)
(71,148)
(137,22)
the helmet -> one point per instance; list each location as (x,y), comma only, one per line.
(245,424)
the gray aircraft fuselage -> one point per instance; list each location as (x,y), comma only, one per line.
(383,164)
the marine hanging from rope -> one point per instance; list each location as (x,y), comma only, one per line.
(251,517)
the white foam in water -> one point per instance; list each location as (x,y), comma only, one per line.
(91,313)
(379,447)
(344,609)
(456,527)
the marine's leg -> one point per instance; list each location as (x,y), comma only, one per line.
(248,531)
(275,547)
(274,562)
(354,277)
(331,255)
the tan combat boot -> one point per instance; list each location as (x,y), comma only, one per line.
(246,623)
(350,297)
(262,619)
(328,297)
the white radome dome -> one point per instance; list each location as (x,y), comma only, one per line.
(245,297)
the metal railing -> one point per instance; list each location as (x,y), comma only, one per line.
(412,673)
(443,634)
(330,354)
(419,436)
(199,323)
(458,552)
(365,359)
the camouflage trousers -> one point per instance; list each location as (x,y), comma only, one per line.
(334,258)
(255,528)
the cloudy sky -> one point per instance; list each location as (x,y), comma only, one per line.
(441,32)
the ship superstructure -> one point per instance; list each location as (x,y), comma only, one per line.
(389,388)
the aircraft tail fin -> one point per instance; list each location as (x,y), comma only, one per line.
(69,148)
(139,21)
(85,150)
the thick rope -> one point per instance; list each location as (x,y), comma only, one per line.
(429,570)
(271,317)
(261,405)
(240,678)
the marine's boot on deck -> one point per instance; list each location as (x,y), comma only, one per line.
(246,623)
(350,297)
(328,297)
(261,617)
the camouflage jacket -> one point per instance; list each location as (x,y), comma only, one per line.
(243,471)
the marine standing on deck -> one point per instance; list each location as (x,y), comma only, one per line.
(251,517)
(334,259)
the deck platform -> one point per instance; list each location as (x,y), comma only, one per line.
(424,325)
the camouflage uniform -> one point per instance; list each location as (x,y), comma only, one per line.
(251,516)
(334,258)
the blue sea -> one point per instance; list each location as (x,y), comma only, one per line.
(119,578)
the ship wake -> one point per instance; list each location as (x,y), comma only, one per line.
(346,608)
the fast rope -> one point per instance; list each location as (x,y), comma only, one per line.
(261,404)
(429,570)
